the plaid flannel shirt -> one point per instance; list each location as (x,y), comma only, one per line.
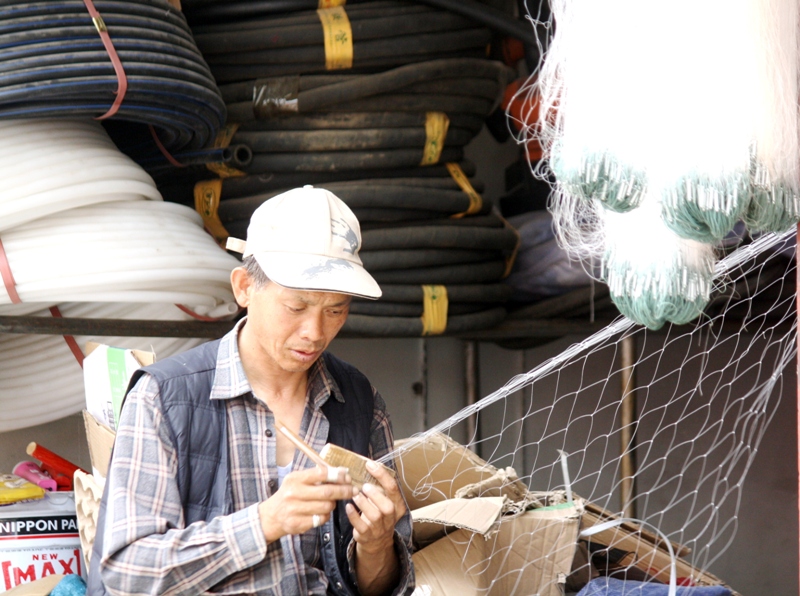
(147,547)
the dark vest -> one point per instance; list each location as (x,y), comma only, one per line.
(199,431)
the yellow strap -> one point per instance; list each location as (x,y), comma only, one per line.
(223,139)
(330,3)
(434,310)
(475,199)
(206,203)
(436,124)
(338,38)
(512,256)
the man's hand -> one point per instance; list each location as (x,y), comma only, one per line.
(380,508)
(304,498)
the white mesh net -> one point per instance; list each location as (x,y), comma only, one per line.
(704,394)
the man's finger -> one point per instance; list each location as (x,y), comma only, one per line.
(359,525)
(330,474)
(384,504)
(385,479)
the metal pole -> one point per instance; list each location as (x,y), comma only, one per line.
(471,390)
(628,421)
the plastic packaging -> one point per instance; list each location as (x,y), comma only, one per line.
(33,473)
(14,489)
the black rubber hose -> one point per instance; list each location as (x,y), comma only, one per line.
(387,260)
(343,160)
(309,58)
(374,139)
(412,327)
(238,228)
(378,216)
(235,156)
(406,77)
(329,84)
(471,273)
(213,11)
(317,90)
(479,12)
(379,308)
(227,73)
(368,194)
(418,103)
(358,11)
(439,237)
(481,293)
(346,121)
(490,220)
(233,40)
(489,16)
(367,54)
(177,185)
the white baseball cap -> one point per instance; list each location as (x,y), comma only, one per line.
(308,239)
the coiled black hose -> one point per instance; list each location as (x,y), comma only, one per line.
(199,11)
(370,326)
(54,64)
(466,88)
(439,198)
(384,34)
(366,122)
(177,185)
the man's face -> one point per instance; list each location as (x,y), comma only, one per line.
(287,330)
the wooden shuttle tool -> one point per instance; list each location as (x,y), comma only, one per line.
(335,456)
(357,464)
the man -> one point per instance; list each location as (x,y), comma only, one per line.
(204,495)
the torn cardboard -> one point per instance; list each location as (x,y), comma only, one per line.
(480,531)
(472,545)
(530,553)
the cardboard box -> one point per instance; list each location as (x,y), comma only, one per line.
(106,372)
(473,528)
(100,439)
(480,531)
(530,553)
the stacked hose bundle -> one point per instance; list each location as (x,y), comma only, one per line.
(42,379)
(375,35)
(374,102)
(356,122)
(401,118)
(376,202)
(416,233)
(134,61)
(133,251)
(49,166)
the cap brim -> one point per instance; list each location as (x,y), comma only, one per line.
(318,274)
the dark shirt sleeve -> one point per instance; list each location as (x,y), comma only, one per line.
(381,443)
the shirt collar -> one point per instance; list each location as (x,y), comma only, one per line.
(231,381)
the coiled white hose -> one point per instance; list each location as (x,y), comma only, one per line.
(40,378)
(49,166)
(133,251)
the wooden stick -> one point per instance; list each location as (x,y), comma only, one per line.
(300,444)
